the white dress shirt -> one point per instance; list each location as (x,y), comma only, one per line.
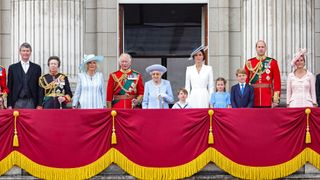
(25,66)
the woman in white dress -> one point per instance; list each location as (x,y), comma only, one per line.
(301,84)
(199,80)
(91,91)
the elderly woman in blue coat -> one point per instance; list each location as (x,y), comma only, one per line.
(157,91)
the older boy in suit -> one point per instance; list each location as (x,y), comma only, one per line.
(242,94)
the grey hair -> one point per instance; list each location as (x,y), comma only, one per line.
(125,55)
(25,45)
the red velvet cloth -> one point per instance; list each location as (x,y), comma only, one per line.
(159,138)
(6,133)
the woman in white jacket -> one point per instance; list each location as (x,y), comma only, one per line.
(199,80)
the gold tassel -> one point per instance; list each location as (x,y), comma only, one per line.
(15,137)
(210,137)
(308,135)
(113,136)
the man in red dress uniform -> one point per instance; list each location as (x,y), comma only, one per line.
(3,85)
(264,75)
(125,86)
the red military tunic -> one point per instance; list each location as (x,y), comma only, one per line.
(264,75)
(3,85)
(123,86)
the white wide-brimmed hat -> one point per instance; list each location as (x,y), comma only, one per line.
(156,67)
(301,52)
(196,50)
(89,58)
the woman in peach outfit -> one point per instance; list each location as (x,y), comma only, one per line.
(301,84)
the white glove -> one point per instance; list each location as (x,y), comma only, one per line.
(163,95)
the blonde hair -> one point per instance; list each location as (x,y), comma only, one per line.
(97,65)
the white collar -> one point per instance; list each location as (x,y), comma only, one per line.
(27,63)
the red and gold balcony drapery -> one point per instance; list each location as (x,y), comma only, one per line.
(159,144)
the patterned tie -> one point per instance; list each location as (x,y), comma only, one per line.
(242,89)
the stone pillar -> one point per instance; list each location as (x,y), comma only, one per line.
(285,25)
(225,34)
(52,27)
(5,33)
(107,34)
(101,32)
(219,45)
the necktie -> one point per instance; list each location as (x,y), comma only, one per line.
(242,89)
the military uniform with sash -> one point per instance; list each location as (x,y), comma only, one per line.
(264,75)
(52,87)
(123,86)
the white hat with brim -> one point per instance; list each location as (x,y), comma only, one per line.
(301,52)
(156,67)
(195,51)
(89,58)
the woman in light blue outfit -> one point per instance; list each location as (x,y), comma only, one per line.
(90,92)
(157,92)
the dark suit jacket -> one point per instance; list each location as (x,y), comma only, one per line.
(242,101)
(15,80)
(318,89)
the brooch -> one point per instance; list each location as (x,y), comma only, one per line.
(268,71)
(268,78)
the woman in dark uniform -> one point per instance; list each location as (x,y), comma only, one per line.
(55,90)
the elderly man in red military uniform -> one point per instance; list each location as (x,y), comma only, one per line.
(3,85)
(125,86)
(264,75)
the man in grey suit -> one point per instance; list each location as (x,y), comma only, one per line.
(23,78)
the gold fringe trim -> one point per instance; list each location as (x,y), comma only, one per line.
(45,172)
(234,169)
(176,172)
(7,163)
(264,172)
(313,157)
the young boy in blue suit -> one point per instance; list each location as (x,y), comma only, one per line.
(242,94)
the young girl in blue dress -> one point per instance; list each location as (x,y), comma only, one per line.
(220,98)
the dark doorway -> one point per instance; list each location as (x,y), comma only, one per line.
(162,34)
